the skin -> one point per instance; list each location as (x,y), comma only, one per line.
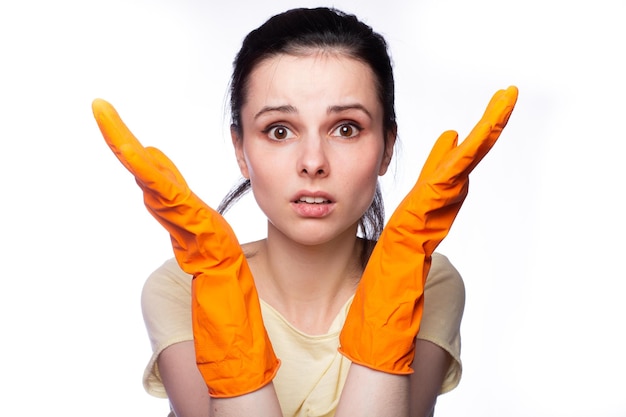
(312,127)
(325,108)
(188,394)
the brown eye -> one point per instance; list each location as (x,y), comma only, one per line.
(279,133)
(347,130)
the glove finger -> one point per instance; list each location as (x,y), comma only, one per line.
(497,108)
(485,134)
(170,184)
(444,144)
(116,133)
(153,171)
(126,147)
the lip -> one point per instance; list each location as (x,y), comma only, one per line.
(315,194)
(313,210)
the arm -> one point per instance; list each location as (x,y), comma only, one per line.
(414,395)
(183,382)
(232,349)
(384,318)
(172,371)
(430,366)
(437,364)
(186,389)
(188,394)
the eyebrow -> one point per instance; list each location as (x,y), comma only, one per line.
(282,109)
(331,109)
(356,106)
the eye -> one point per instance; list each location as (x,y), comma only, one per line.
(279,132)
(346,130)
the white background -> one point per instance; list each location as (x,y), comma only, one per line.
(539,241)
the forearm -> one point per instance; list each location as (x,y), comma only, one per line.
(260,403)
(189,396)
(186,390)
(431,364)
(373,393)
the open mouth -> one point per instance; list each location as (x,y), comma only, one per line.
(312,200)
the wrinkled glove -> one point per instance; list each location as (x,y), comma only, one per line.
(384,318)
(233,351)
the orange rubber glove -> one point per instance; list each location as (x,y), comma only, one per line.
(233,351)
(385,316)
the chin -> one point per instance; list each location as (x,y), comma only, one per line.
(321,235)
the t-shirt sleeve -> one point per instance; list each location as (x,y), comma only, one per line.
(166,308)
(444,302)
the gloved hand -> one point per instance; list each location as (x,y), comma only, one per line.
(384,318)
(233,351)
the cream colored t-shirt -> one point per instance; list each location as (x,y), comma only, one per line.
(312,374)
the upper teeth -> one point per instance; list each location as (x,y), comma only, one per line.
(312,199)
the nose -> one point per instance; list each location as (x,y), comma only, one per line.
(313,160)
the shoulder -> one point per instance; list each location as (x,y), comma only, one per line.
(443,274)
(166,279)
(441,264)
(170,269)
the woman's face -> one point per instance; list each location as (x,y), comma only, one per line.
(313,143)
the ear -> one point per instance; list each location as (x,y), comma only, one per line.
(388,151)
(238,145)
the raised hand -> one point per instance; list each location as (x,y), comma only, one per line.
(233,351)
(385,315)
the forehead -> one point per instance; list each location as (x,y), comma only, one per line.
(316,76)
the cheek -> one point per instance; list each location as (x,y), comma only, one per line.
(369,164)
(266,175)
(261,166)
(361,175)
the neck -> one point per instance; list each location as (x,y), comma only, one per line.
(308,284)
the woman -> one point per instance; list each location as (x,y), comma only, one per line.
(312,320)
